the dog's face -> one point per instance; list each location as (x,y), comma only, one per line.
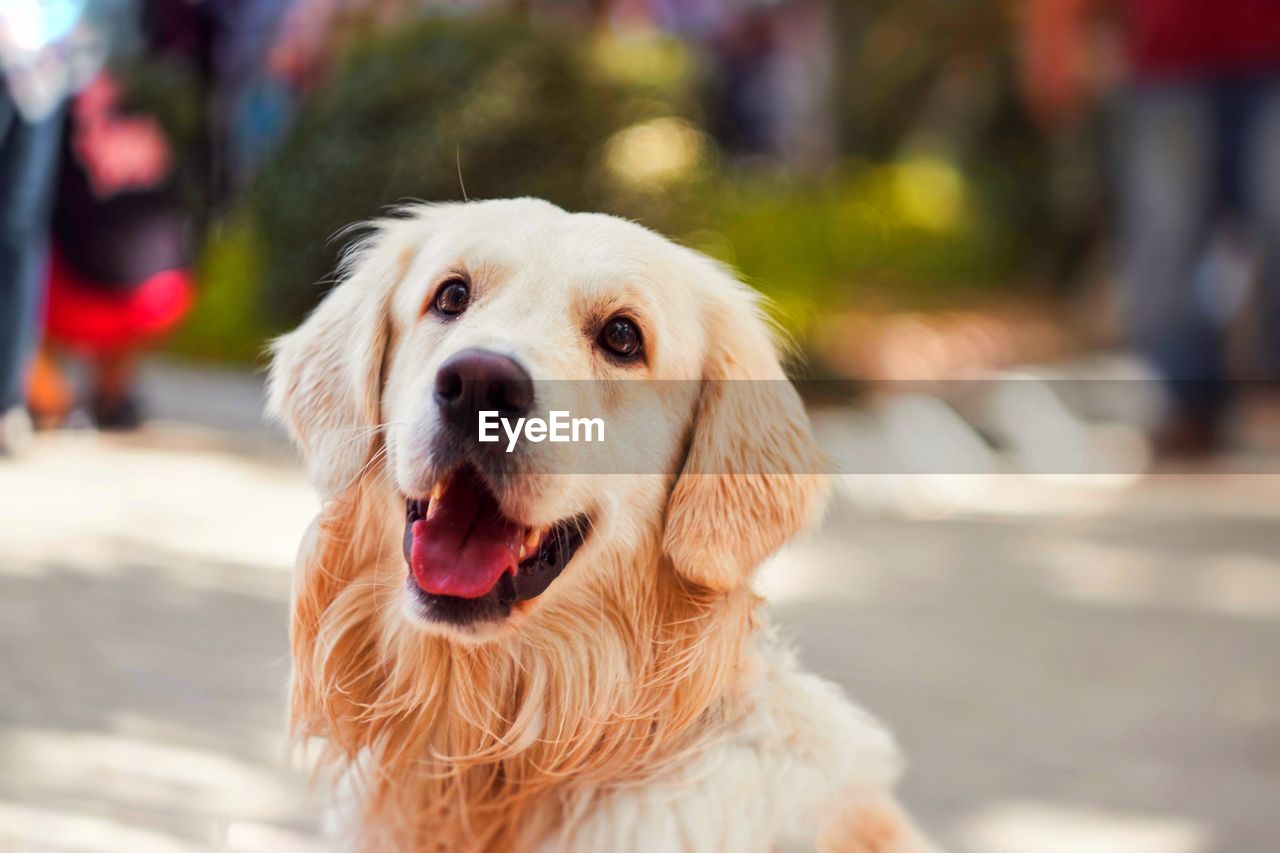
(458,315)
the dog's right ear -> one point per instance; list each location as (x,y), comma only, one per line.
(326,375)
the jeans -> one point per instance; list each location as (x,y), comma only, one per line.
(1194,156)
(28,164)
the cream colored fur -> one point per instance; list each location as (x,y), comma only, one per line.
(641,703)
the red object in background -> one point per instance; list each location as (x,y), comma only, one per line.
(85,316)
(1195,38)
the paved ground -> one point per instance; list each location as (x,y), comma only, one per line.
(1079,665)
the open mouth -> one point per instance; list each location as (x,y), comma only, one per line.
(469,562)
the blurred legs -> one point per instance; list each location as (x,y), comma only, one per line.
(28,155)
(1262,197)
(1167,154)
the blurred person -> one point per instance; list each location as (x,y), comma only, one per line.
(267,79)
(1197,131)
(27,157)
(744,111)
(47,50)
(119,275)
(124,228)
(228,45)
(297,60)
(771,78)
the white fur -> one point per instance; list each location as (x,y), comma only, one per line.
(800,751)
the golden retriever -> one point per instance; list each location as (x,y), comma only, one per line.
(555,646)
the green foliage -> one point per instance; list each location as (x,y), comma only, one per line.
(590,122)
(941,77)
(851,240)
(228,323)
(417,114)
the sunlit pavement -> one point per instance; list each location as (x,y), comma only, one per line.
(143,593)
(1070,664)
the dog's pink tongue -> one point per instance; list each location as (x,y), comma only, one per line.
(466,544)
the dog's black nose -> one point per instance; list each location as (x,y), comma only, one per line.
(476,380)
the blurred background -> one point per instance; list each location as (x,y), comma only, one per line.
(1028,252)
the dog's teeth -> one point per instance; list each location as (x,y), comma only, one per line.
(532,538)
(436,491)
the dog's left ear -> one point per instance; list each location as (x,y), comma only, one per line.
(326,375)
(753,476)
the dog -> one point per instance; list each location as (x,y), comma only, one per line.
(555,647)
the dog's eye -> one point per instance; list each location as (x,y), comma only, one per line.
(621,336)
(452,298)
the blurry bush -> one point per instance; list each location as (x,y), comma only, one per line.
(415,113)
(905,234)
(940,79)
(920,216)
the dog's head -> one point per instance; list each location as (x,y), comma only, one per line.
(461,317)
